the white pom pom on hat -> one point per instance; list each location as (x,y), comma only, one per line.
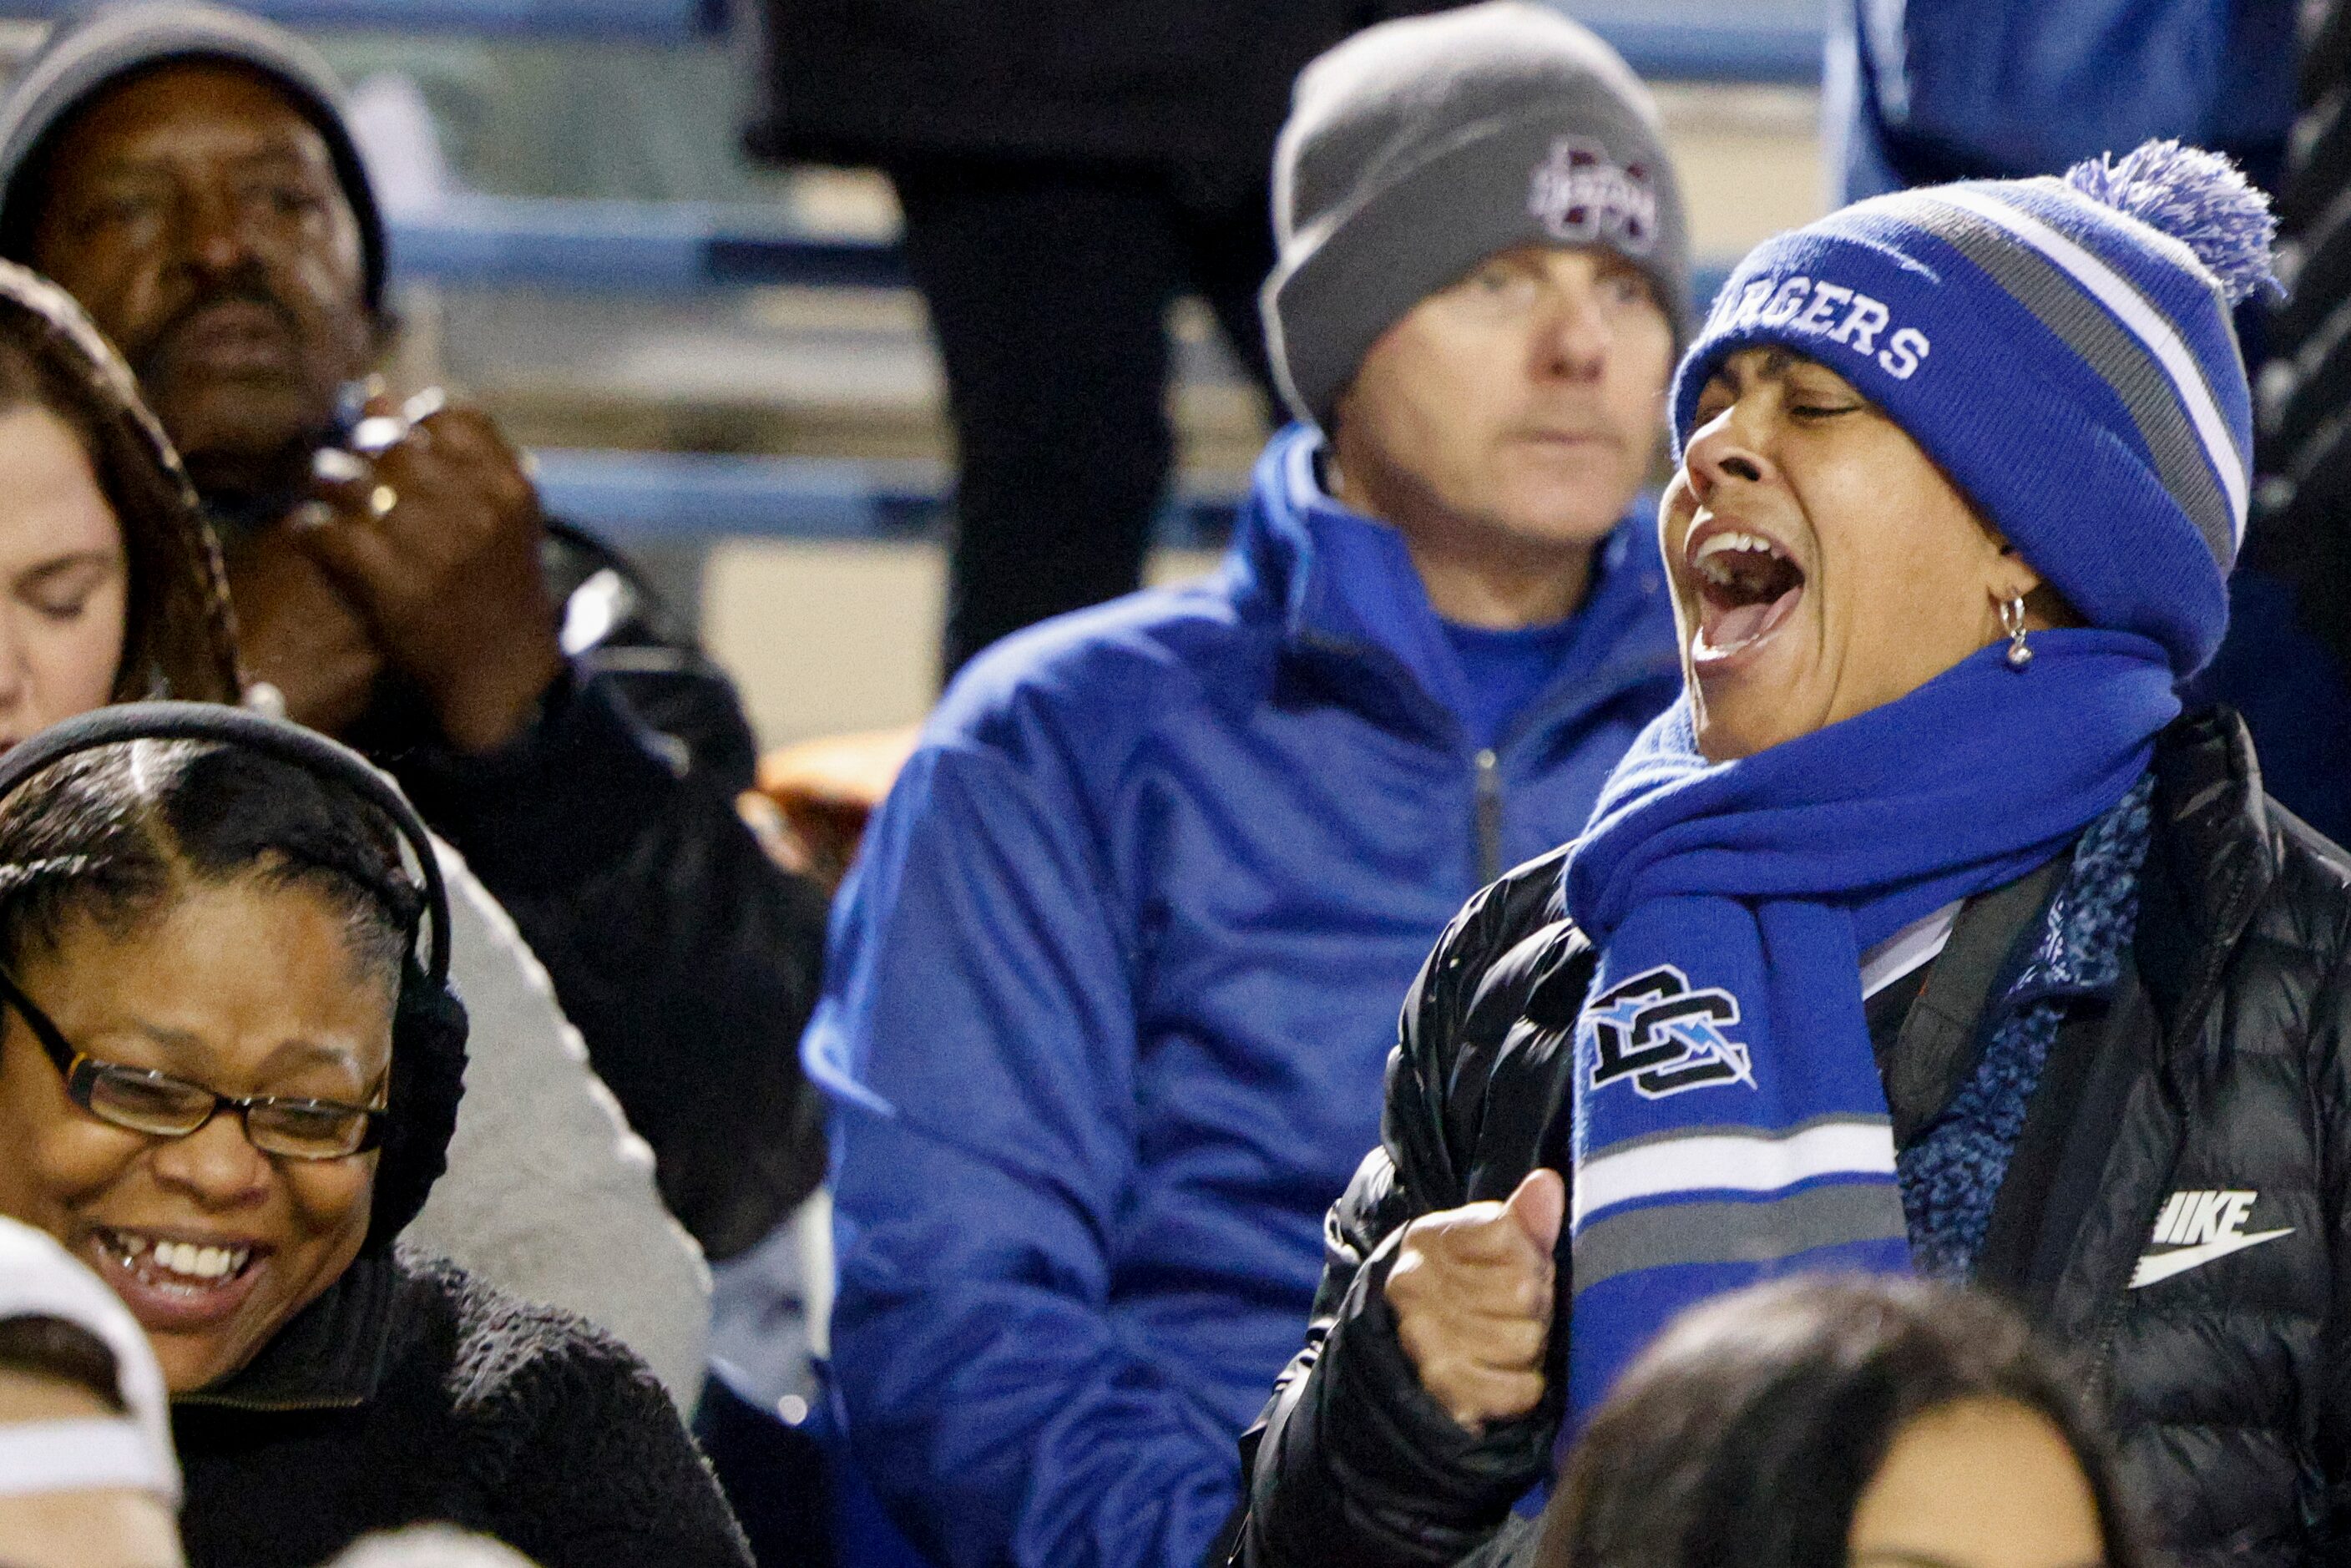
(2197,197)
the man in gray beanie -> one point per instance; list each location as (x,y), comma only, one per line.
(1419,148)
(1109,994)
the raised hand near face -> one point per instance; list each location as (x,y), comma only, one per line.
(1472,1291)
(431,530)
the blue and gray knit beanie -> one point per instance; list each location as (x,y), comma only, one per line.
(2061,347)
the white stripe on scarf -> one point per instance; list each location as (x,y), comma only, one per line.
(1726,1161)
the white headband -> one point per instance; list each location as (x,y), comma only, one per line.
(99,1454)
(39,1279)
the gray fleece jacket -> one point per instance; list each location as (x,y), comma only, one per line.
(548,1194)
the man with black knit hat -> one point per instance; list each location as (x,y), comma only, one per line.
(184,170)
(1111,992)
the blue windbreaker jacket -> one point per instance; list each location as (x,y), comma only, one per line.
(1109,997)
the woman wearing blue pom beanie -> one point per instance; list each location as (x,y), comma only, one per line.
(1924,934)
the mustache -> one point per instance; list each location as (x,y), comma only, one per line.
(240,288)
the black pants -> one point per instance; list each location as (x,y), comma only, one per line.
(1047,289)
(775,1477)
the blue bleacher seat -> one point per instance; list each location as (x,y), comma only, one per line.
(1757,41)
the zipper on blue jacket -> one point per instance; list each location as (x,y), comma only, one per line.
(1489,816)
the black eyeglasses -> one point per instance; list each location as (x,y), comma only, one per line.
(163,1106)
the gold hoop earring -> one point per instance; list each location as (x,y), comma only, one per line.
(2012,620)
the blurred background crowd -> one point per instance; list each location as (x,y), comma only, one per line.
(687,393)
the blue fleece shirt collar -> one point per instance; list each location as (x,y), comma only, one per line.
(1345,584)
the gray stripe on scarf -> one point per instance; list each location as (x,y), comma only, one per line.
(1738,1232)
(2062,305)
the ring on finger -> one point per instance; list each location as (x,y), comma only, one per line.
(333,466)
(381,501)
(377,434)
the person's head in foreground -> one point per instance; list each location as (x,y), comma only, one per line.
(86,1475)
(1878,1423)
(430,1546)
(1484,276)
(110,587)
(224,1073)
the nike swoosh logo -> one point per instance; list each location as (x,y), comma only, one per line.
(2157,1267)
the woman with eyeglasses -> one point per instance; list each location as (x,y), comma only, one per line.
(227,1081)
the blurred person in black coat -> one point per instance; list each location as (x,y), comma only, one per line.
(1066,168)
(2287,664)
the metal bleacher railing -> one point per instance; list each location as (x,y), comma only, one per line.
(1756,40)
(670,249)
(645,21)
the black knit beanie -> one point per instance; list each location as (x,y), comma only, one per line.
(94,47)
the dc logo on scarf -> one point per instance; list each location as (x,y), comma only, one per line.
(1666,1035)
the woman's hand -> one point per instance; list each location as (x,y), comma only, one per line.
(1472,1290)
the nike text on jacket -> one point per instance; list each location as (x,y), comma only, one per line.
(2222,1112)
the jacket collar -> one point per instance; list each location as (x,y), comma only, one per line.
(1352,605)
(331,1356)
(2213,856)
(2083,945)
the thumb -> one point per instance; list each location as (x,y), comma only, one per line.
(1539,1206)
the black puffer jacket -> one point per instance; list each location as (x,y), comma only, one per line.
(686,958)
(2221,1070)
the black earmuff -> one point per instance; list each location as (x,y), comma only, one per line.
(428,1035)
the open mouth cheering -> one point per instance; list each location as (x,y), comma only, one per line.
(1747,583)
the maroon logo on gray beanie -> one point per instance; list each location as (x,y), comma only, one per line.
(1582,196)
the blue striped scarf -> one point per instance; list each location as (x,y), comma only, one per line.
(1730,1124)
